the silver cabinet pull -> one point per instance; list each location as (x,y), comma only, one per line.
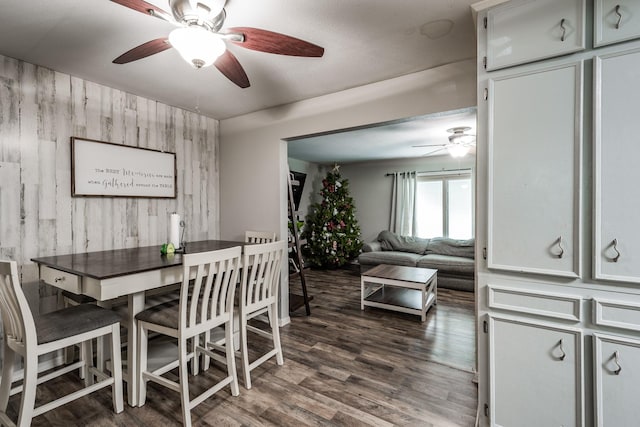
(559,243)
(564,30)
(619,16)
(614,245)
(616,360)
(563,355)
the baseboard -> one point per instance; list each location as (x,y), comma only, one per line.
(284,321)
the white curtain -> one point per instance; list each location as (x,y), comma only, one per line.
(403,204)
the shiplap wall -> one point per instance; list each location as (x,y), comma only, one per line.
(40,110)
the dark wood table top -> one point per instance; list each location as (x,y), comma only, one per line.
(120,262)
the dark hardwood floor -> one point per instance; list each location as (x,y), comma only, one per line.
(343,367)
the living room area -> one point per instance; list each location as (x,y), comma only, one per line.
(443,229)
(386,356)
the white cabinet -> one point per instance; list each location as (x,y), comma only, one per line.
(535,374)
(616,381)
(534,151)
(531,123)
(616,21)
(616,154)
(526,31)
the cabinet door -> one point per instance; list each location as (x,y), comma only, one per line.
(534,151)
(535,374)
(617,230)
(616,381)
(616,21)
(526,31)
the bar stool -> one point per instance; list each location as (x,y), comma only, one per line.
(31,337)
(261,270)
(206,302)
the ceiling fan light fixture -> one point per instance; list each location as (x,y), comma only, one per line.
(459,142)
(458,150)
(196,45)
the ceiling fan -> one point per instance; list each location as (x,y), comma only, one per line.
(200,40)
(459,142)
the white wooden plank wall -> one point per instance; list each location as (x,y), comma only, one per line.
(40,110)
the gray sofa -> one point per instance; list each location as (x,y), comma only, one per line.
(454,259)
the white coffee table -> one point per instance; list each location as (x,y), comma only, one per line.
(410,290)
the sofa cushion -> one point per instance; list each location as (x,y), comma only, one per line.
(448,263)
(452,247)
(386,257)
(392,242)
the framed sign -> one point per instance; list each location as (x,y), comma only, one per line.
(104,169)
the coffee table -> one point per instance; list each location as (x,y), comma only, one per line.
(410,290)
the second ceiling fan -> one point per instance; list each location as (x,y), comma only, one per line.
(201,41)
(459,143)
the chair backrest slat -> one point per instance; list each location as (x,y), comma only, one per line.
(262,279)
(218,304)
(252,273)
(205,292)
(261,273)
(17,318)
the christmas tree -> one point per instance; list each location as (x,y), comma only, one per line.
(332,231)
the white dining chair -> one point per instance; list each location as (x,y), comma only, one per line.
(260,283)
(251,236)
(206,302)
(30,337)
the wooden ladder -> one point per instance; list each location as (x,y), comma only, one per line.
(295,256)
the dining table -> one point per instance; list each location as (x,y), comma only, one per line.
(131,273)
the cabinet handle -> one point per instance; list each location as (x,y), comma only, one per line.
(559,243)
(614,245)
(59,279)
(616,360)
(563,355)
(619,16)
(564,30)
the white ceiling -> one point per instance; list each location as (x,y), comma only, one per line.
(365,41)
(394,140)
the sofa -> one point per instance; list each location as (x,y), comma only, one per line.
(454,259)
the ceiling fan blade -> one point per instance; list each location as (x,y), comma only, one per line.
(435,151)
(229,65)
(140,6)
(146,49)
(270,42)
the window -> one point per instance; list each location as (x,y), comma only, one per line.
(444,205)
